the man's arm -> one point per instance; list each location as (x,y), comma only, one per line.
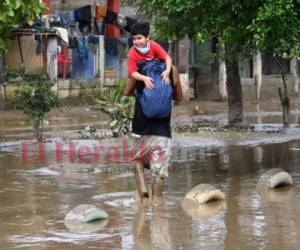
(130,87)
(166,74)
(178,96)
(168,63)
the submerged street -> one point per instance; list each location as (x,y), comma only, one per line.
(35,197)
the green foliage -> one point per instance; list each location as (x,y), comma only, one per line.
(14,12)
(276,28)
(118,107)
(35,99)
(243,26)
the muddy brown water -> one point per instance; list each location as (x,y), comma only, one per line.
(34,199)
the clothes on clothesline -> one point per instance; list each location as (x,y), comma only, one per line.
(111,46)
(100,11)
(63,34)
(66,18)
(93,39)
(83,14)
(83,58)
(111,17)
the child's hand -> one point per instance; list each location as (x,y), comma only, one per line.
(165,76)
(148,82)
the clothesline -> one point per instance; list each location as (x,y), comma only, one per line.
(34,31)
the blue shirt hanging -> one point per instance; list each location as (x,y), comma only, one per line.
(82,60)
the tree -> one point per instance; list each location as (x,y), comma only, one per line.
(14,12)
(35,98)
(244,26)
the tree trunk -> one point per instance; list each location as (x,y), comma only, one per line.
(285,100)
(294,74)
(175,52)
(215,63)
(257,73)
(1,68)
(234,90)
(222,74)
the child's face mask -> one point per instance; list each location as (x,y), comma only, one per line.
(144,50)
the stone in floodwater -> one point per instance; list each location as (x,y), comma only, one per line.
(274,178)
(94,226)
(202,211)
(204,193)
(86,213)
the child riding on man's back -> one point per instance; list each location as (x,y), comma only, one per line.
(153,133)
(145,49)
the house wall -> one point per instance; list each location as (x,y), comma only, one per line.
(31,59)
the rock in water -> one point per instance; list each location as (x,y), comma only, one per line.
(94,226)
(204,193)
(275,177)
(201,211)
(86,213)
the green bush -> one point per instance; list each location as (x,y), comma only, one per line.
(118,107)
(35,99)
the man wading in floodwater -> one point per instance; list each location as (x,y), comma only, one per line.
(150,71)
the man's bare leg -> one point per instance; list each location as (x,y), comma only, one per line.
(141,181)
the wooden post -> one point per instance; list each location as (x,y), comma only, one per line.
(52,57)
(294,74)
(222,76)
(257,74)
(101,60)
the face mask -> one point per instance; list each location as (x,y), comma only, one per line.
(144,50)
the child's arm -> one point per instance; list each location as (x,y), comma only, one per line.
(130,87)
(146,79)
(162,54)
(165,75)
(132,72)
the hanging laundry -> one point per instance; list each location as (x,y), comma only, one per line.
(93,39)
(82,60)
(63,34)
(55,20)
(100,11)
(111,45)
(111,17)
(84,28)
(129,22)
(63,62)
(83,14)
(121,21)
(67,18)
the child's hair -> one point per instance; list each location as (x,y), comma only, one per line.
(140,28)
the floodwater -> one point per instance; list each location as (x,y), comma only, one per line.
(36,197)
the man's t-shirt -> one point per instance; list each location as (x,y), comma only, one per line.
(134,56)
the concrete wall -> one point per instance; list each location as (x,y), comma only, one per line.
(270,85)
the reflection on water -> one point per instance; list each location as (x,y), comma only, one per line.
(35,198)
